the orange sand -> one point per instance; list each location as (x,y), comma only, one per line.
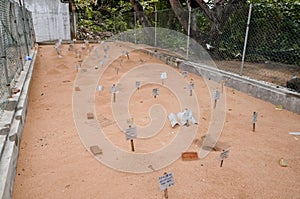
(53,163)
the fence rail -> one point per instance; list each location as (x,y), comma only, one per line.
(16,40)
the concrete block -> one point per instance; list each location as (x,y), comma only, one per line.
(90,116)
(96,150)
(188,156)
(77,88)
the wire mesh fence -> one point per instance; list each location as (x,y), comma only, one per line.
(271,50)
(17,38)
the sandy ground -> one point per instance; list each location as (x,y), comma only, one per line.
(54,163)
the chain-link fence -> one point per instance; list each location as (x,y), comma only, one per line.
(17,38)
(270,52)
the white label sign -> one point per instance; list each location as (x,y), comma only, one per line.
(216,95)
(114,89)
(254,117)
(163,75)
(166,181)
(224,155)
(131,133)
(191,86)
(99,88)
(155,92)
(137,84)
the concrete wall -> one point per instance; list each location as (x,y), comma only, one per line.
(277,95)
(11,127)
(50,19)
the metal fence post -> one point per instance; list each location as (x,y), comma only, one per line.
(246,39)
(134,13)
(155,27)
(189,32)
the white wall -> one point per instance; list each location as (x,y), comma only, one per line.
(50,19)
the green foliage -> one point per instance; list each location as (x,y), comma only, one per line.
(273,33)
(105,16)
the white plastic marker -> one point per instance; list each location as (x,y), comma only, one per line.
(138,84)
(105,51)
(166,181)
(223,156)
(155,92)
(114,90)
(99,88)
(294,133)
(191,87)
(254,120)
(163,76)
(216,97)
(101,63)
(131,133)
(126,53)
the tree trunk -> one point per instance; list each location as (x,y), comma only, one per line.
(183,16)
(149,32)
(138,8)
(218,16)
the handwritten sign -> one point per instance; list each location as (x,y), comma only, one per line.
(165,181)
(191,86)
(254,117)
(184,74)
(216,95)
(114,89)
(224,154)
(131,133)
(138,84)
(155,92)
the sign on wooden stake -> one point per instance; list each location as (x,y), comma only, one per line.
(254,120)
(166,181)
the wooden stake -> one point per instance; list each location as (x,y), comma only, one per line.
(132,145)
(254,120)
(166,195)
(114,96)
(222,86)
(221,163)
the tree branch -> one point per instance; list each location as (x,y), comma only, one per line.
(205,9)
(180,13)
(138,8)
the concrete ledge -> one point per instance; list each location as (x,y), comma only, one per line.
(11,128)
(266,91)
